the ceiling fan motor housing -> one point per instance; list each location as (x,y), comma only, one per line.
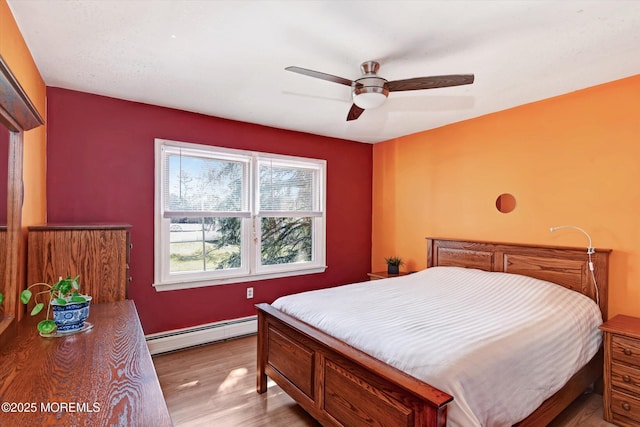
(370,90)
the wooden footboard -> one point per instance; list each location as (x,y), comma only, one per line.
(337,384)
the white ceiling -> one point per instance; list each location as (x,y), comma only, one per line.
(227,58)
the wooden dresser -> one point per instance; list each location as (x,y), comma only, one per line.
(101,377)
(98,253)
(622,370)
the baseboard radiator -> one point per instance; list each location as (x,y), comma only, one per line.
(203,334)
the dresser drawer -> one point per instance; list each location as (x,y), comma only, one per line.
(625,405)
(625,378)
(625,350)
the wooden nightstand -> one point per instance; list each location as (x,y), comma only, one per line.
(384,275)
(622,370)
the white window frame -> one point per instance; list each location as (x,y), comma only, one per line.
(251,268)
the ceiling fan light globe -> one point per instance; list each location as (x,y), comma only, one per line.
(369,100)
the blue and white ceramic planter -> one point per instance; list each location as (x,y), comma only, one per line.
(71,317)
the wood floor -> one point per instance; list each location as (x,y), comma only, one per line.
(214,385)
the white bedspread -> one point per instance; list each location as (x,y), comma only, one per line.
(499,343)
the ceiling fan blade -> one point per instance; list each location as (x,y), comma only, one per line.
(319,75)
(354,112)
(432,82)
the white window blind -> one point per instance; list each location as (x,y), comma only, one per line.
(286,188)
(197,184)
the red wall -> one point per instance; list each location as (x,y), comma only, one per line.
(100,169)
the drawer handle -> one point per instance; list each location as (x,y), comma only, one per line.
(626,378)
(628,352)
(626,406)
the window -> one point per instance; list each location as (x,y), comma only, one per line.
(225,216)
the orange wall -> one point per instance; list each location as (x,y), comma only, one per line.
(15,53)
(572,159)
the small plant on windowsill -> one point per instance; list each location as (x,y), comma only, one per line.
(70,308)
(393,264)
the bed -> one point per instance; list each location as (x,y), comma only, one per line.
(343,386)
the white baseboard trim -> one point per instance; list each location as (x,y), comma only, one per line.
(188,337)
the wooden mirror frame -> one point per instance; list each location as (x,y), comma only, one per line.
(18,114)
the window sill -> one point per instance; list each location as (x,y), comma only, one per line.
(173,286)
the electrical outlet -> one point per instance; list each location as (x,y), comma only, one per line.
(249,293)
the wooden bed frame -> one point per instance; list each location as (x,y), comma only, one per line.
(342,386)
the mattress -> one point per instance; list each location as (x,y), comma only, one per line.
(499,343)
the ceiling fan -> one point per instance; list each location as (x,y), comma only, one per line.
(371,90)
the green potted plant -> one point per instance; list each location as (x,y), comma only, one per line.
(70,309)
(393,264)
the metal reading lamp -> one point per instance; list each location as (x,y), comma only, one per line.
(590,250)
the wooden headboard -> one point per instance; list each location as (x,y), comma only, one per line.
(568,267)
